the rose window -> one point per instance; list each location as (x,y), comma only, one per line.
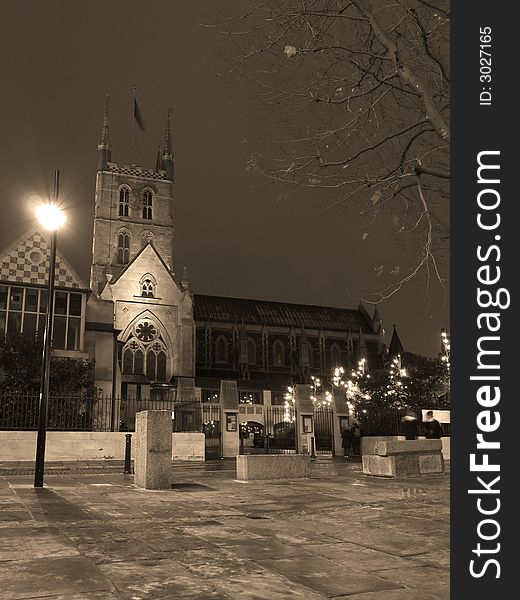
(146,331)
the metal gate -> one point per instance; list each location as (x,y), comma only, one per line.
(211,428)
(280,431)
(324,430)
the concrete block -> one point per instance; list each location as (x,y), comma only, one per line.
(406,464)
(153,449)
(431,463)
(379,466)
(401,458)
(387,448)
(272,466)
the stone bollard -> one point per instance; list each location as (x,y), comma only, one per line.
(153,449)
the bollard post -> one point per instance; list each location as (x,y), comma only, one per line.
(313,448)
(128,454)
(266,443)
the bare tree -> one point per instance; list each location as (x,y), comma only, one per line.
(354,98)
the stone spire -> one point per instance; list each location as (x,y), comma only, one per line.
(104,148)
(167,151)
(396,347)
(158,161)
(376,320)
(185,282)
(362,347)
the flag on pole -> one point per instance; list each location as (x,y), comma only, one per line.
(138,116)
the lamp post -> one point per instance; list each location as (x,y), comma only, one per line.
(50,217)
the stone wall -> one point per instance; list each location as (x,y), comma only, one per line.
(89,445)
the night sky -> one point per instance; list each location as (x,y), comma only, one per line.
(58,60)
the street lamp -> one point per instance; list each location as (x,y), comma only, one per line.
(51,218)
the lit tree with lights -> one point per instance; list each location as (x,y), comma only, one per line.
(356,386)
(320,396)
(289,406)
(396,392)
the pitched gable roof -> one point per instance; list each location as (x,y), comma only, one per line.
(259,312)
(26,260)
(128,265)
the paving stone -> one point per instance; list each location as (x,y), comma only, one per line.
(423,579)
(264,586)
(156,579)
(323,576)
(34,542)
(336,535)
(50,576)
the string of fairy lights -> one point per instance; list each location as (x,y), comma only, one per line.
(445,349)
(355,384)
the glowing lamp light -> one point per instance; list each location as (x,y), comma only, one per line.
(50,216)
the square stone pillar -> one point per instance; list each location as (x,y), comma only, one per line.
(229,418)
(153,449)
(304,418)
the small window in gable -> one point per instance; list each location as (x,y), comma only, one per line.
(147,284)
(124,201)
(147,204)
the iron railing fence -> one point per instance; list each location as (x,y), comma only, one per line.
(100,413)
(65,413)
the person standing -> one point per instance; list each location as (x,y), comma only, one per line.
(432,427)
(410,427)
(346,443)
(356,439)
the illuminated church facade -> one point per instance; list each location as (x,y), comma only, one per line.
(148,334)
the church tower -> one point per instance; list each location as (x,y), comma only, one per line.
(133,207)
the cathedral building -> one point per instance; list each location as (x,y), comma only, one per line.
(148,334)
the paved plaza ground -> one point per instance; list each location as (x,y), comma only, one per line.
(91,535)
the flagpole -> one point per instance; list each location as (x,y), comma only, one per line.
(133,130)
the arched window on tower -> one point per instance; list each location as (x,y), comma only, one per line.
(148,284)
(278,354)
(124,200)
(147,204)
(123,247)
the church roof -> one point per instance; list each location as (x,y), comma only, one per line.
(26,260)
(264,312)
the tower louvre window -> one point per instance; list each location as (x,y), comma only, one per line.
(124,201)
(123,247)
(147,204)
